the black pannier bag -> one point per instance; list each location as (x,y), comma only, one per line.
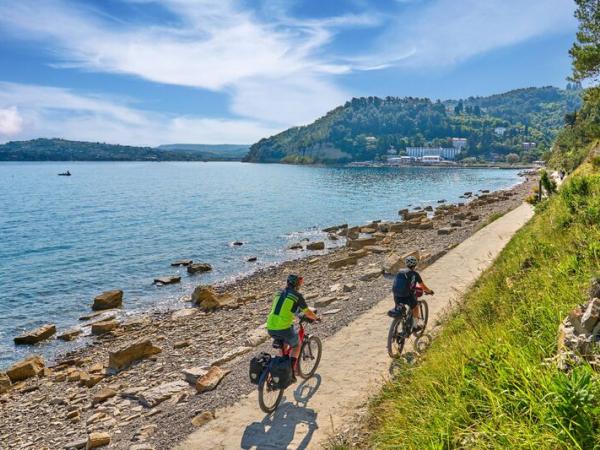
(281,372)
(258,364)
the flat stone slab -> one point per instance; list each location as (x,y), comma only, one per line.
(37,335)
(158,394)
(325,301)
(371,274)
(167,280)
(192,374)
(199,268)
(231,354)
(332,311)
(181,262)
(69,335)
(212,379)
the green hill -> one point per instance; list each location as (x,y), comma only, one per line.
(64,150)
(366,128)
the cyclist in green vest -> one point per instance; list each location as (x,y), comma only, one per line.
(280,323)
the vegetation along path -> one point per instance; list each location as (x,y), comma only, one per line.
(355,361)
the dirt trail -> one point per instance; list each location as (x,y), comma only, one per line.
(355,362)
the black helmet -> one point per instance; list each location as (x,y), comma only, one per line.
(294,281)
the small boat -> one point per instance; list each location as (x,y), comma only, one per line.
(65,174)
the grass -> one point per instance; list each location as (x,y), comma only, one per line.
(485,383)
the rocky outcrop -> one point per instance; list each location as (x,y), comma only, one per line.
(104,326)
(69,335)
(359,243)
(103,395)
(199,268)
(211,379)
(205,297)
(27,368)
(123,357)
(108,300)
(35,336)
(370,274)
(316,246)
(342,262)
(170,279)
(579,336)
(158,394)
(97,439)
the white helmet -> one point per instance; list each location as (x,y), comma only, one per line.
(410,261)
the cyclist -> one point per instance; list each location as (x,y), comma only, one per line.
(280,323)
(405,287)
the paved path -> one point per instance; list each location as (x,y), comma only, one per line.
(355,362)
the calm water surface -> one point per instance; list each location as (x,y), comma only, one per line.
(64,240)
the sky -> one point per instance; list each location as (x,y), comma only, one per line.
(151,72)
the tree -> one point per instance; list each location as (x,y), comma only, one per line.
(477,110)
(458,109)
(512,158)
(586,51)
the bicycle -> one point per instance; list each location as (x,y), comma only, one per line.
(269,395)
(401,327)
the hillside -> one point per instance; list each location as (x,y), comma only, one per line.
(64,150)
(346,133)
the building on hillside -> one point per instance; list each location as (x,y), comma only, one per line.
(431,159)
(459,143)
(529,145)
(392,151)
(371,141)
(444,152)
(499,131)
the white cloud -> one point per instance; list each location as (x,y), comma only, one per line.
(53,112)
(446,32)
(11,122)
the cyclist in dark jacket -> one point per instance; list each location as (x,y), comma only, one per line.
(405,288)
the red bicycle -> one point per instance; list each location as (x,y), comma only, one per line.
(269,392)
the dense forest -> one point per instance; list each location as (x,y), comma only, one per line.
(367,128)
(64,150)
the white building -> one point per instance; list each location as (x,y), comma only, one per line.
(444,152)
(459,143)
(431,159)
(529,145)
(500,131)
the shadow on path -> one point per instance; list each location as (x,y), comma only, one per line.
(278,430)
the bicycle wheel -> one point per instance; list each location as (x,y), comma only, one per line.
(395,342)
(310,356)
(268,396)
(424,312)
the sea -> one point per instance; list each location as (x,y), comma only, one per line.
(119,225)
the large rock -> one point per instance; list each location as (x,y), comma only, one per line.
(182,262)
(199,268)
(357,244)
(103,395)
(394,262)
(211,379)
(5,383)
(316,246)
(207,299)
(325,301)
(371,274)
(69,335)
(123,357)
(37,335)
(104,326)
(158,394)
(414,215)
(257,337)
(590,317)
(342,262)
(97,439)
(192,374)
(170,279)
(108,300)
(398,227)
(445,230)
(231,354)
(27,368)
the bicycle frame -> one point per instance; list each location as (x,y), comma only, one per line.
(287,350)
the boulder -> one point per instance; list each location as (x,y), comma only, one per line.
(211,379)
(368,230)
(37,335)
(371,274)
(203,418)
(357,244)
(296,246)
(426,225)
(256,337)
(5,383)
(104,327)
(237,243)
(127,354)
(252,259)
(69,335)
(428,208)
(103,395)
(199,268)
(349,287)
(398,227)
(376,249)
(108,300)
(27,368)
(97,439)
(182,262)
(325,301)
(192,374)
(445,230)
(394,262)
(316,246)
(158,394)
(590,317)
(207,299)
(342,262)
(170,279)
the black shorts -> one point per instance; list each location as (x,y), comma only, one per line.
(410,301)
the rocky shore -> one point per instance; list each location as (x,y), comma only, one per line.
(147,382)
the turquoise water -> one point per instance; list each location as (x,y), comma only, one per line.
(64,240)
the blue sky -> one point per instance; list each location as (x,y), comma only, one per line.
(149,72)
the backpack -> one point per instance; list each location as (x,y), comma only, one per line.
(258,364)
(404,284)
(281,371)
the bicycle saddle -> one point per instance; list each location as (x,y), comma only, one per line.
(277,343)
